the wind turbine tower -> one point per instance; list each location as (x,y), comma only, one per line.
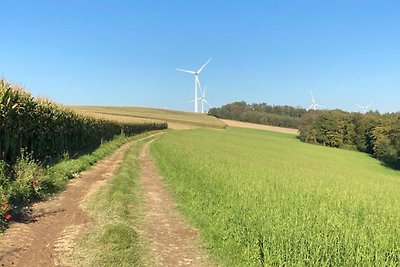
(196,82)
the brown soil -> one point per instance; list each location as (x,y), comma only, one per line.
(172,241)
(180,126)
(260,127)
(54,225)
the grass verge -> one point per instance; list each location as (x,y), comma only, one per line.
(117,209)
(30,182)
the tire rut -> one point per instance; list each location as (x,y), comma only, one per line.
(172,241)
(55,224)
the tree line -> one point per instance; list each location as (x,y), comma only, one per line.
(261,113)
(372,133)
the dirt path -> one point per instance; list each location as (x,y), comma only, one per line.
(172,241)
(55,224)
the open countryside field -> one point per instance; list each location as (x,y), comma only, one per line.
(175,119)
(283,150)
(257,198)
(264,127)
(261,198)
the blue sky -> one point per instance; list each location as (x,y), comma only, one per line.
(125,52)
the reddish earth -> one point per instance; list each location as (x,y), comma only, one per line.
(54,225)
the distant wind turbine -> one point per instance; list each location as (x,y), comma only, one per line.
(314,104)
(365,109)
(203,99)
(196,82)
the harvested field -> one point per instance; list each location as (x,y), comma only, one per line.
(270,128)
(172,117)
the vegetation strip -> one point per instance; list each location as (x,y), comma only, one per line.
(54,225)
(35,132)
(33,183)
(45,129)
(117,209)
(372,133)
(170,116)
(263,198)
(281,116)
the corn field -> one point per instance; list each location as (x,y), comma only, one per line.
(44,129)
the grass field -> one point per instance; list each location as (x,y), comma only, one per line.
(173,118)
(263,198)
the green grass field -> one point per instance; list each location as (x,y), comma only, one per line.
(263,198)
(138,113)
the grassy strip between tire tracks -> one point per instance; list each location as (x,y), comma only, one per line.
(117,209)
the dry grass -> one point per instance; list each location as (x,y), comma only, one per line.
(175,119)
(127,119)
(270,128)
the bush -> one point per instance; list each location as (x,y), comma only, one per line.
(283,116)
(373,133)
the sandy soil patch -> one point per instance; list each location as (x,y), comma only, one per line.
(260,127)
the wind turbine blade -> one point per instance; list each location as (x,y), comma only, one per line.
(198,83)
(312,97)
(188,71)
(369,105)
(192,101)
(321,106)
(207,103)
(202,67)
(312,105)
(204,91)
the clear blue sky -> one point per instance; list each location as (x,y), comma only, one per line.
(125,52)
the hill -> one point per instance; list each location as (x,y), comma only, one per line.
(281,116)
(175,119)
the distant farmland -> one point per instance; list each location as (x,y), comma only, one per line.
(263,198)
(264,127)
(175,119)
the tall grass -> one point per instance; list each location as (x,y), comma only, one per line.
(262,199)
(33,131)
(45,129)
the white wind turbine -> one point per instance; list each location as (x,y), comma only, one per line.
(203,99)
(314,104)
(196,82)
(365,109)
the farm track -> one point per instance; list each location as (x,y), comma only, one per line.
(172,241)
(54,225)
